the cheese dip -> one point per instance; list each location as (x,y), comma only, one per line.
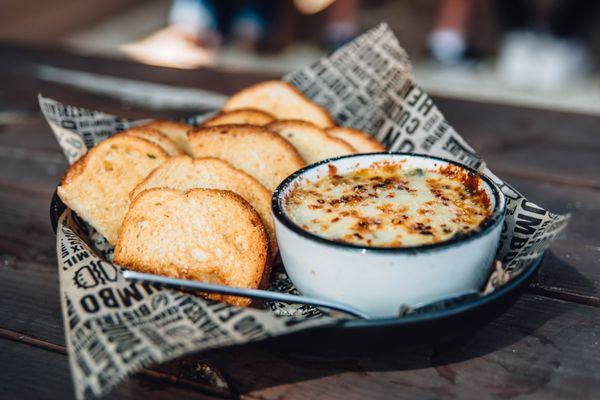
(388,205)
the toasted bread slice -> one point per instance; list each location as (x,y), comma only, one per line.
(312,142)
(176,131)
(362,142)
(184,173)
(207,235)
(249,116)
(97,186)
(255,150)
(155,137)
(282,100)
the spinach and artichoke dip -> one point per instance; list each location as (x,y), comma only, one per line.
(388,205)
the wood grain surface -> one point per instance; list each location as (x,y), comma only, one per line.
(546,346)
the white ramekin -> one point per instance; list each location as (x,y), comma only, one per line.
(380,280)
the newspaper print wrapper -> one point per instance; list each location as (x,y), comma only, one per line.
(115,327)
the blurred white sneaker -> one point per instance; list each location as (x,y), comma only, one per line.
(517,60)
(541,62)
(562,63)
(196,19)
(248,27)
(446,46)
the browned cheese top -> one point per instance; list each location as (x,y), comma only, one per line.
(389,205)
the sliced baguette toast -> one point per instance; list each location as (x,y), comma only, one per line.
(249,116)
(312,142)
(207,235)
(176,131)
(97,186)
(155,137)
(282,100)
(255,150)
(362,142)
(184,173)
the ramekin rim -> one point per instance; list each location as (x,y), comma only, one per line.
(495,218)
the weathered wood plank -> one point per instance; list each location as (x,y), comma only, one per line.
(219,80)
(496,126)
(571,267)
(26,131)
(546,145)
(31,372)
(51,21)
(21,73)
(506,136)
(30,297)
(536,349)
(36,173)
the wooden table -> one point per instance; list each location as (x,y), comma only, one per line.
(546,346)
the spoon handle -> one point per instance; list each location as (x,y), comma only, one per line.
(243,292)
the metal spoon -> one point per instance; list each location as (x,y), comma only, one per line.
(250,293)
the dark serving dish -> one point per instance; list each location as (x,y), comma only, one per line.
(440,324)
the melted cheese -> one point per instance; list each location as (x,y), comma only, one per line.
(387,205)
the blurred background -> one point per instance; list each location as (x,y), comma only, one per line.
(543,53)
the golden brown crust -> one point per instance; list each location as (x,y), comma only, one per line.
(224,193)
(326,114)
(235,128)
(362,141)
(156,137)
(256,150)
(74,170)
(78,166)
(297,122)
(251,116)
(262,267)
(165,123)
(176,131)
(313,143)
(96,187)
(324,118)
(330,121)
(251,186)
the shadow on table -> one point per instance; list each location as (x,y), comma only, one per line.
(271,363)
(556,273)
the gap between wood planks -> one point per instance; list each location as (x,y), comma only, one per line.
(515,327)
(547,178)
(23,190)
(562,294)
(148,373)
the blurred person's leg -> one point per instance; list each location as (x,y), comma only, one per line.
(520,42)
(447,41)
(566,55)
(516,15)
(283,28)
(572,18)
(198,20)
(253,20)
(342,23)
